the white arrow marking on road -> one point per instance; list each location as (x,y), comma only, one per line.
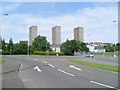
(72,66)
(102,84)
(37,68)
(66,72)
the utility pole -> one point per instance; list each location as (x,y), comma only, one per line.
(28,46)
(46,48)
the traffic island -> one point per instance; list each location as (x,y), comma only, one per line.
(10,75)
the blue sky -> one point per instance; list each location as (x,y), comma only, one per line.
(95,17)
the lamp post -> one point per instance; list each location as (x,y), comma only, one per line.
(114,55)
(114,51)
(10,50)
(28,46)
(46,48)
(89,43)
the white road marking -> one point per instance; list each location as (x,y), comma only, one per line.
(66,72)
(25,80)
(72,66)
(102,84)
(44,61)
(37,68)
(51,65)
(35,59)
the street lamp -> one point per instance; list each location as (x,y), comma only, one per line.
(114,51)
(114,45)
(89,43)
(28,46)
(46,48)
(4,14)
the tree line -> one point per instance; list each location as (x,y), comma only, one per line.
(41,44)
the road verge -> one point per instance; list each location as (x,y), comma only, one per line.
(95,65)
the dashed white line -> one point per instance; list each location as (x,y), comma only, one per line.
(37,68)
(44,61)
(72,66)
(35,59)
(51,65)
(65,72)
(101,84)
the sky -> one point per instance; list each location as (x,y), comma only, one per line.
(95,17)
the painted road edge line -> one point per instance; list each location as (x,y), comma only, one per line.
(101,84)
(44,61)
(38,69)
(72,66)
(51,65)
(65,72)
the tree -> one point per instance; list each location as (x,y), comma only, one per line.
(21,47)
(69,47)
(41,44)
(3,45)
(117,47)
(109,48)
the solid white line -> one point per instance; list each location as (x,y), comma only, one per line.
(51,65)
(102,84)
(71,66)
(66,72)
(44,61)
(37,68)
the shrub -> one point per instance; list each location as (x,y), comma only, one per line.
(48,53)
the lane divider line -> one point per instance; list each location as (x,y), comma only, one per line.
(66,72)
(101,84)
(35,59)
(38,69)
(51,65)
(43,61)
(72,66)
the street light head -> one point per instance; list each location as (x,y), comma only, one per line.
(6,14)
(114,21)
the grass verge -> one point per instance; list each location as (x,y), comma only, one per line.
(1,61)
(100,66)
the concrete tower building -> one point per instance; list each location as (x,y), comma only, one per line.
(32,34)
(79,34)
(56,38)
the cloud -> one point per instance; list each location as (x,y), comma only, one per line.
(97,22)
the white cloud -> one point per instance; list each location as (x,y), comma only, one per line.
(96,21)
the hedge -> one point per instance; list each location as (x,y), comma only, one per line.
(48,53)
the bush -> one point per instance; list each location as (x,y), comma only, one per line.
(48,53)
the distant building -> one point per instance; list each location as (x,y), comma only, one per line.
(56,38)
(99,49)
(32,34)
(96,48)
(79,34)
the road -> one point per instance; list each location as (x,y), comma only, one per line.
(58,72)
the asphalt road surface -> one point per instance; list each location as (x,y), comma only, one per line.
(58,72)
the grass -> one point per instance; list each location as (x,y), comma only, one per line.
(100,66)
(1,61)
(106,53)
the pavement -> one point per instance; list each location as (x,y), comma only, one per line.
(10,75)
(58,72)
